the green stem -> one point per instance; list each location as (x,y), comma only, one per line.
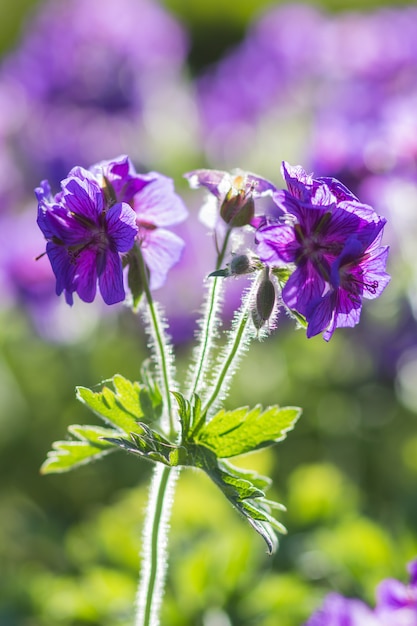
(221,254)
(209,331)
(162,349)
(210,320)
(234,349)
(155,536)
(154,544)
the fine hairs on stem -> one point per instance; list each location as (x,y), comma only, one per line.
(162,352)
(161,493)
(208,326)
(154,546)
(238,343)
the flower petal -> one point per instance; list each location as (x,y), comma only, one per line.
(158,204)
(161,250)
(121,226)
(111,279)
(86,278)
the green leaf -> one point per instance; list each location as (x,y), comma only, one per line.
(244,489)
(231,433)
(184,412)
(190,415)
(89,444)
(149,444)
(124,405)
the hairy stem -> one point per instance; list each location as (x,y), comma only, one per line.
(240,336)
(208,327)
(209,322)
(162,349)
(155,535)
(154,546)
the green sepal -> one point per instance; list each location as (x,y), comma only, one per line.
(231,433)
(89,443)
(125,405)
(282,274)
(135,276)
(301,320)
(223,273)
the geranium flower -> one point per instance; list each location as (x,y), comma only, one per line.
(156,206)
(86,235)
(232,196)
(332,240)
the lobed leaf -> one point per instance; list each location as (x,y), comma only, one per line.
(124,405)
(242,489)
(243,430)
(89,444)
(149,444)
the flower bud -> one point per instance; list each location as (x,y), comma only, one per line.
(265,300)
(238,208)
(240,264)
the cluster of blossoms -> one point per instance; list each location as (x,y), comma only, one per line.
(349,78)
(333,241)
(327,241)
(99,215)
(396,605)
(319,231)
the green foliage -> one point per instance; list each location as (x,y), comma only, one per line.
(149,444)
(244,489)
(126,405)
(121,408)
(129,408)
(89,444)
(231,433)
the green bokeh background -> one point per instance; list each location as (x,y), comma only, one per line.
(348,473)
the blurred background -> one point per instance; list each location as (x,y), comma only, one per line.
(179,85)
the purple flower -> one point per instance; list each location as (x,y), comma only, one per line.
(340,611)
(96,93)
(156,206)
(396,606)
(231,196)
(333,242)
(86,234)
(397,602)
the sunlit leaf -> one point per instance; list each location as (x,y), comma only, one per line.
(124,405)
(231,433)
(89,443)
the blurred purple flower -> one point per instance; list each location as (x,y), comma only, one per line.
(96,93)
(340,89)
(334,243)
(397,602)
(264,72)
(340,611)
(396,606)
(156,205)
(85,236)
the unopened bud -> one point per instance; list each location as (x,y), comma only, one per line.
(238,208)
(265,300)
(108,192)
(241,264)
